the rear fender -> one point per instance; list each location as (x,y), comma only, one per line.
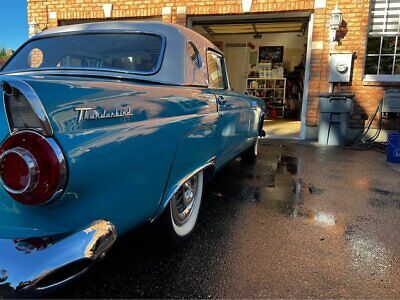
(202,141)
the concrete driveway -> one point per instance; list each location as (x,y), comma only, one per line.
(304,221)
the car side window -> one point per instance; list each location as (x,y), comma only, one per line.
(216,73)
(194,54)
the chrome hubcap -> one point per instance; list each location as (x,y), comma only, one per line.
(183,202)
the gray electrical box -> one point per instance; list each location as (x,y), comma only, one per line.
(391,101)
(340,65)
(334,112)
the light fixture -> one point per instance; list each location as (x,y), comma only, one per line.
(335,22)
(246,5)
(33,28)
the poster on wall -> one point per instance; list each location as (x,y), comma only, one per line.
(253,58)
(270,54)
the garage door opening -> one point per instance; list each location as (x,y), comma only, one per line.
(266,56)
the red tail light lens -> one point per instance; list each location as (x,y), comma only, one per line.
(18,170)
(32,168)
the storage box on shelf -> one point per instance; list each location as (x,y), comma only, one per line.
(272,91)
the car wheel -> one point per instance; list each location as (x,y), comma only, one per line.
(180,217)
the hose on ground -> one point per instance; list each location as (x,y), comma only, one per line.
(362,141)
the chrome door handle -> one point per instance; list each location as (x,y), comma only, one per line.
(221,101)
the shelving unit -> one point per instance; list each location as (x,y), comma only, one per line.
(271,90)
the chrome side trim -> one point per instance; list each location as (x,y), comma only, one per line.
(178,185)
(34,102)
(27,268)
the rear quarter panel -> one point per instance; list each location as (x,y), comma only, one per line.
(119,168)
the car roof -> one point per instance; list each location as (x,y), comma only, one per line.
(177,68)
(166,29)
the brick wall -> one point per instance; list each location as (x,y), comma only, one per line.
(367,95)
(41,10)
(49,13)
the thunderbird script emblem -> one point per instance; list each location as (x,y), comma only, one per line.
(86,113)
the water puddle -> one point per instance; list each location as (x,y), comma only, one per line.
(282,188)
(282,191)
(384,198)
(315,191)
(383,192)
(325,219)
(287,164)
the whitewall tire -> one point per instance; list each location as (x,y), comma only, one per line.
(180,217)
(185,205)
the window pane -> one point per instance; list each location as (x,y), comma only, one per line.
(398,46)
(129,52)
(386,65)
(194,54)
(215,73)
(371,65)
(397,66)
(374,44)
(384,16)
(388,44)
(383,42)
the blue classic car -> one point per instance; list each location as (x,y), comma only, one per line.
(106,127)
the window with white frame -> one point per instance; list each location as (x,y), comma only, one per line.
(383,47)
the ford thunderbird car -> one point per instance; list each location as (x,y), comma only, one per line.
(105,127)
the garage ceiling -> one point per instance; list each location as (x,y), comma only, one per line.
(256,25)
(254,28)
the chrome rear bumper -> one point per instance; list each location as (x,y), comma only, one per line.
(35,265)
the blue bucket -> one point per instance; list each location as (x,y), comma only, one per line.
(393,148)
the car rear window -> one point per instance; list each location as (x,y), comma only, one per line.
(131,52)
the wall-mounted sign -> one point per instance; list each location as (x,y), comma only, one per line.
(270,54)
(253,58)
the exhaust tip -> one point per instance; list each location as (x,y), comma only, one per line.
(64,274)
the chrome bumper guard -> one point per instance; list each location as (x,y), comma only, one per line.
(36,265)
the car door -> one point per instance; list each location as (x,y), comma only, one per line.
(234,111)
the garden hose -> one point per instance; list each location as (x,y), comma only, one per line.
(361,143)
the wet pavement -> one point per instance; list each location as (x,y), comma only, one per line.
(304,221)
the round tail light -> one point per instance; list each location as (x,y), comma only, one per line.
(32,168)
(19,170)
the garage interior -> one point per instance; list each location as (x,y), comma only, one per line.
(265,57)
